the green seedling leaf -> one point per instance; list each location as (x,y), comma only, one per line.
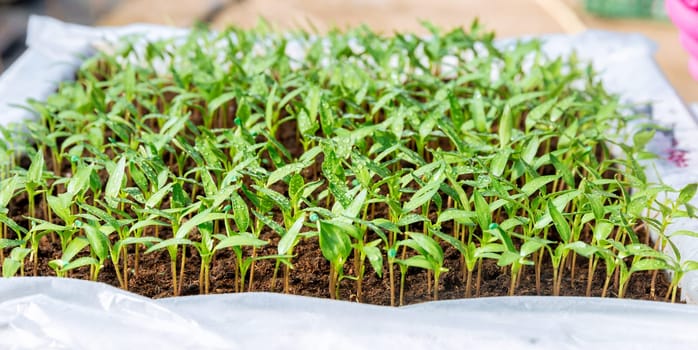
(581,248)
(115,182)
(36,169)
(596,207)
(499,163)
(11,266)
(7,190)
(241,214)
(505,127)
(198,219)
(508,258)
(537,183)
(518,99)
(95,182)
(74,247)
(210,188)
(284,171)
(539,112)
(375,258)
(687,193)
(14,262)
(602,230)
(138,177)
(683,233)
(61,206)
(504,237)
(217,102)
(277,198)
(458,215)
(410,219)
(482,211)
(295,188)
(426,193)
(649,264)
(79,262)
(528,154)
(47,226)
(642,138)
(456,110)
(564,170)
(289,240)
(564,198)
(12,225)
(135,240)
(561,225)
(9,243)
(532,245)
(689,265)
(334,173)
(80,181)
(157,197)
(428,245)
(179,197)
(269,222)
(418,261)
(99,242)
(334,241)
(168,243)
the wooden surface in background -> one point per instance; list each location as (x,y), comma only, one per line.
(179,13)
(507,17)
(387,16)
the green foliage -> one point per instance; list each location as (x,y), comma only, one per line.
(385,149)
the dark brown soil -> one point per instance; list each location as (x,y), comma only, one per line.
(309,277)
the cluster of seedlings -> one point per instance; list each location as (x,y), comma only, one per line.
(383,152)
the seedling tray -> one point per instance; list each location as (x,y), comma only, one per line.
(616,61)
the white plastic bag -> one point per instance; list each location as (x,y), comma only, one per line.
(53,313)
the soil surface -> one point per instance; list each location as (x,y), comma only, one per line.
(309,277)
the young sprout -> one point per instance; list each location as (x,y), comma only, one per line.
(420,152)
(335,245)
(429,256)
(66,262)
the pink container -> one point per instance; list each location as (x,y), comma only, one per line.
(684,13)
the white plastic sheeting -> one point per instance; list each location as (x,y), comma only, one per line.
(55,51)
(48,313)
(52,313)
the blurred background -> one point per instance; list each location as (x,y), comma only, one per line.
(508,18)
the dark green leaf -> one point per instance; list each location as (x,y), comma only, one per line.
(116,179)
(99,242)
(561,225)
(334,242)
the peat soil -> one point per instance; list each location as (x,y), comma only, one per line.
(310,277)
